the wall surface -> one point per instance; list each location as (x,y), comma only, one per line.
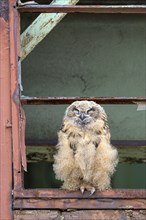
(88,55)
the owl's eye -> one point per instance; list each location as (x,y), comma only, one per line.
(75,110)
(91,110)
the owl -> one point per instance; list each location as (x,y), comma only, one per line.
(85,159)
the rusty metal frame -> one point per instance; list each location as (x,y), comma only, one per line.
(52,198)
(84,8)
(25,100)
(5,116)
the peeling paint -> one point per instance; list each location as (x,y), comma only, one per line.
(40,27)
(26,100)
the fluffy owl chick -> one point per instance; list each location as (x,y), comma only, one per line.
(85,159)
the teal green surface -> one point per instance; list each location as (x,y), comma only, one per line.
(127,176)
(90,55)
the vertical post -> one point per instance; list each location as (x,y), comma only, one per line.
(5,116)
(14,22)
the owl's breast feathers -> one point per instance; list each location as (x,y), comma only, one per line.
(91,133)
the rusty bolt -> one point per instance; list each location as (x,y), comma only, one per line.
(8,124)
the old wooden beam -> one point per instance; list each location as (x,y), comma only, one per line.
(68,100)
(87,204)
(40,27)
(37,214)
(62,199)
(80,214)
(62,194)
(85,8)
(128,154)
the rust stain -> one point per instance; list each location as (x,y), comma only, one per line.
(85,8)
(68,100)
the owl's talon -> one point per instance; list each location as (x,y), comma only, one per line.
(82,189)
(92,191)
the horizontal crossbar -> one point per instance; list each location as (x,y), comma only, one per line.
(84,8)
(61,199)
(62,194)
(25,100)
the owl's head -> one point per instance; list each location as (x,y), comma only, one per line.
(83,113)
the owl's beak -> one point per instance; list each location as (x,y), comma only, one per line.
(82,116)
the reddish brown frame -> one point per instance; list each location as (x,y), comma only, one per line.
(49,198)
(5,116)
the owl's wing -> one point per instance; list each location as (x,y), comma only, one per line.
(63,160)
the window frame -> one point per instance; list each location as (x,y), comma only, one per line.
(59,198)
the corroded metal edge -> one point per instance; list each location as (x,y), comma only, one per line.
(85,8)
(25,100)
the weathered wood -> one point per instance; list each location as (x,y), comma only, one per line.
(36,215)
(26,100)
(105,215)
(64,194)
(15,101)
(129,154)
(40,27)
(85,8)
(80,204)
(62,199)
(80,215)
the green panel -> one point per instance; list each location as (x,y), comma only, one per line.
(41,175)
(130,176)
(88,55)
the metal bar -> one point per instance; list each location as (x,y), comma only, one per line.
(40,27)
(68,100)
(84,8)
(118,204)
(63,194)
(5,116)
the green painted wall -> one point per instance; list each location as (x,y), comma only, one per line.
(88,55)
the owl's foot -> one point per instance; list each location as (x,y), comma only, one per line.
(88,188)
(92,191)
(82,189)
